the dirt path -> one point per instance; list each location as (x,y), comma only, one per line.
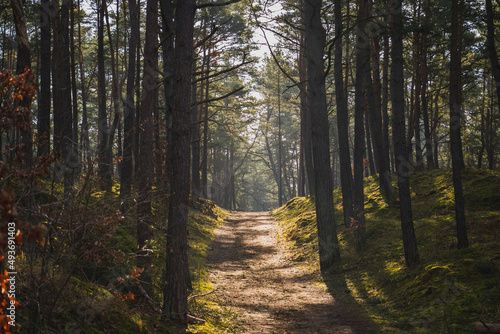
(271,294)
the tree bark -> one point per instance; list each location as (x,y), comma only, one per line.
(129,110)
(45,94)
(145,168)
(400,148)
(456,123)
(103,128)
(342,121)
(329,252)
(176,280)
(362,66)
(305,117)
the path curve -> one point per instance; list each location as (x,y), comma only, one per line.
(270,293)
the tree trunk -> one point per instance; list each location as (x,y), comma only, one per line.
(167,36)
(362,67)
(195,136)
(103,129)
(329,252)
(400,149)
(490,45)
(129,110)
(23,62)
(145,168)
(342,121)
(455,124)
(204,159)
(44,97)
(177,275)
(305,117)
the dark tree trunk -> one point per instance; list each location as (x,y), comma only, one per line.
(85,140)
(362,67)
(195,135)
(44,97)
(23,62)
(305,117)
(103,129)
(455,124)
(67,151)
(177,275)
(145,167)
(400,148)
(167,13)
(425,102)
(377,126)
(342,121)
(370,163)
(74,93)
(490,44)
(204,159)
(329,252)
(129,110)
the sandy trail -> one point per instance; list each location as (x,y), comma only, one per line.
(271,294)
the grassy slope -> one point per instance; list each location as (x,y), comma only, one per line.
(450,289)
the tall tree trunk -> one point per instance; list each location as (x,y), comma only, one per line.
(44,97)
(305,116)
(400,149)
(129,110)
(85,140)
(362,66)
(74,93)
(204,159)
(103,128)
(195,134)
(385,102)
(167,36)
(490,45)
(145,167)
(177,275)
(342,121)
(67,150)
(115,92)
(23,62)
(329,252)
(456,123)
(280,169)
(425,82)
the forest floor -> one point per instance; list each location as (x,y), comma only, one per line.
(271,294)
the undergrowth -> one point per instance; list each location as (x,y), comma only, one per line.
(83,279)
(450,289)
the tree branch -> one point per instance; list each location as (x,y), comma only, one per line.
(216,4)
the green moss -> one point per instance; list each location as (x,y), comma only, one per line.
(450,289)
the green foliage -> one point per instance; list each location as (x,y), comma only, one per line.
(450,289)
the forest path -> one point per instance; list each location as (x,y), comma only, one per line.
(270,293)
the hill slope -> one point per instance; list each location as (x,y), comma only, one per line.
(450,289)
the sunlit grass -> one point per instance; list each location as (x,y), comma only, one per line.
(450,289)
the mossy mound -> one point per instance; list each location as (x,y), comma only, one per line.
(450,289)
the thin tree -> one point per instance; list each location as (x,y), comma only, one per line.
(399,128)
(176,279)
(129,109)
(145,167)
(103,129)
(315,43)
(44,97)
(362,66)
(23,62)
(342,121)
(456,123)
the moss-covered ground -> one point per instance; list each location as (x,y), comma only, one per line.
(449,290)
